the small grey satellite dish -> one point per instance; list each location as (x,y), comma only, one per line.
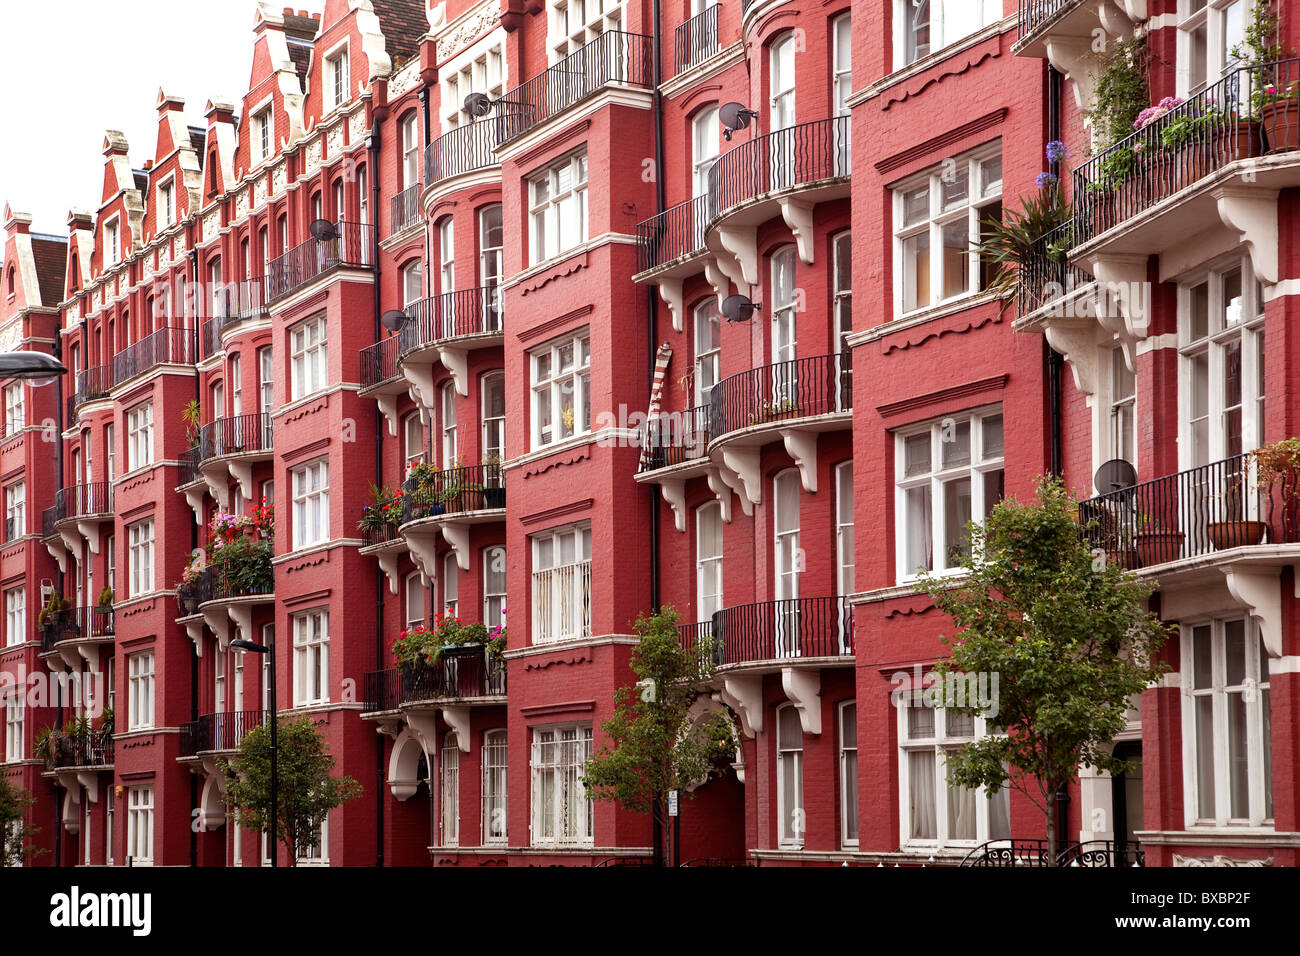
(738,308)
(478,104)
(1115,475)
(734,116)
(394,319)
(322,230)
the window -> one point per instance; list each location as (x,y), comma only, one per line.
(15,716)
(410,142)
(1208,33)
(311,657)
(849,774)
(476,71)
(139,691)
(1221,389)
(15,616)
(1123,399)
(110,561)
(265,381)
(491,237)
(932,812)
(309,356)
(949,472)
(412,439)
(1227,727)
(412,287)
(15,510)
(789,777)
(781,82)
(236,387)
(844,555)
(110,451)
(140,537)
(450,585)
(446,255)
(494,417)
(166,211)
(449,791)
(217,291)
(708,560)
(112,242)
(139,826)
(785,312)
(561,811)
(937,221)
(139,436)
(925,26)
(494,587)
(561,375)
(448,406)
(708,350)
(558,209)
(218,390)
(311,503)
(414,600)
(262,132)
(336,78)
(842,246)
(219,682)
(704,149)
(785,525)
(575,23)
(562,585)
(494,787)
(841,64)
(15,408)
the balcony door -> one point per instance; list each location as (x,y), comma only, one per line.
(705,130)
(788,563)
(785,384)
(781,121)
(490,241)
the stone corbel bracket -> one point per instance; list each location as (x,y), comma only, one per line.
(674,492)
(456,361)
(670,290)
(1259,591)
(721,490)
(802,447)
(744,695)
(1252,214)
(743,462)
(1077,342)
(803,688)
(1123,281)
(457,718)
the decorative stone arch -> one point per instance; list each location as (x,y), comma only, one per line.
(705,706)
(404,765)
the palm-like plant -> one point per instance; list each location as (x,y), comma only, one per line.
(1009,242)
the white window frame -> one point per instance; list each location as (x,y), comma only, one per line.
(705,148)
(558,754)
(494,423)
(337,77)
(311,503)
(550,384)
(845,541)
(446,255)
(15,408)
(791,814)
(479,69)
(15,707)
(412,285)
(450,585)
(708,563)
(847,719)
(494,591)
(1199,68)
(491,248)
(566,35)
(413,439)
(495,793)
(139,436)
(113,241)
(140,539)
(16,509)
(167,202)
(557,215)
(309,356)
(449,790)
(944,30)
(311,657)
(561,589)
(707,343)
(139,825)
(415,599)
(841,36)
(16,615)
(110,451)
(447,419)
(140,690)
(409,137)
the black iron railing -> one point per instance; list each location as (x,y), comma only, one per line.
(452,315)
(1016,852)
(1046,274)
(797,156)
(190,595)
(166,346)
(799,388)
(91,749)
(1244,114)
(75,624)
(674,233)
(1192,513)
(381,534)
(1103,853)
(48,517)
(675,437)
(242,300)
(312,259)
(92,383)
(379,361)
(696,40)
(224,731)
(461,150)
(452,491)
(1034,13)
(612,57)
(459,672)
(777,630)
(80,501)
(404,209)
(210,337)
(231,436)
(381,690)
(187,463)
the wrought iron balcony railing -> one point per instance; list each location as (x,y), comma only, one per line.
(241,300)
(452,315)
(1245,114)
(696,40)
(92,749)
(1017,852)
(779,630)
(1034,13)
(381,690)
(81,501)
(1046,274)
(614,57)
(188,466)
(460,150)
(404,209)
(676,232)
(783,159)
(92,384)
(383,534)
(379,361)
(799,388)
(1192,513)
(452,491)
(48,517)
(210,336)
(459,672)
(231,436)
(166,346)
(75,624)
(223,731)
(310,260)
(675,437)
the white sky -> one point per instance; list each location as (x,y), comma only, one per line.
(74,68)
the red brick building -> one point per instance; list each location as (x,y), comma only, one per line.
(461,251)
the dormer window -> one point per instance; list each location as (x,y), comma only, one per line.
(112,243)
(260,140)
(336,78)
(167,203)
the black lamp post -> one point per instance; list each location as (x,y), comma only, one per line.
(36,368)
(244,645)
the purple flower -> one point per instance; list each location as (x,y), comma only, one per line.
(1046,179)
(1056,151)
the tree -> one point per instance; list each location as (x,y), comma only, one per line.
(306,791)
(654,742)
(1068,636)
(15,834)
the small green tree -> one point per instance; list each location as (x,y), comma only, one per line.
(1069,638)
(306,791)
(654,743)
(15,833)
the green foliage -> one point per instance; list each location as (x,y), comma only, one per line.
(421,643)
(1190,127)
(46,745)
(15,834)
(244,564)
(191,415)
(1261,39)
(1122,91)
(106,597)
(306,790)
(1113,168)
(1069,637)
(1009,242)
(655,743)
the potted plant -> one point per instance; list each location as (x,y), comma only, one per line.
(1233,529)
(1156,544)
(1277,467)
(1108,526)
(191,415)
(1275,96)
(187,592)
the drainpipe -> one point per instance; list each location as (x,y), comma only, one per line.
(1053,358)
(194,543)
(372,152)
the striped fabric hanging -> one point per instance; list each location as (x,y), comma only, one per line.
(662,358)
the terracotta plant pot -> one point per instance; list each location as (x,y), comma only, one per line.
(1243,141)
(1281,121)
(1157,547)
(1126,558)
(1235,534)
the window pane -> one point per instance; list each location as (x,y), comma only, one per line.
(999,816)
(919,529)
(956,259)
(991,426)
(961,813)
(916,206)
(955,442)
(1202,672)
(920,723)
(1238,758)
(1234,640)
(954,189)
(1204,718)
(920,771)
(916,455)
(1200,311)
(916,272)
(957,514)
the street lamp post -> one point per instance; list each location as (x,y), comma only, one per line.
(36,368)
(245,645)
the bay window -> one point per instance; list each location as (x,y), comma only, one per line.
(561,384)
(558,209)
(311,657)
(311,503)
(561,585)
(309,357)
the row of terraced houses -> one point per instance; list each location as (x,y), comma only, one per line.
(567,214)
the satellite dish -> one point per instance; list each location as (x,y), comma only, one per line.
(738,308)
(1115,475)
(478,104)
(322,230)
(734,116)
(394,319)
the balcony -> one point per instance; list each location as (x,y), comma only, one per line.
(468,672)
(800,628)
(562,603)
(1064,31)
(219,733)
(461,150)
(677,234)
(381,691)
(75,634)
(381,377)
(165,346)
(676,439)
(241,301)
(442,505)
(1046,276)
(404,209)
(210,337)
(777,396)
(613,58)
(91,749)
(696,40)
(187,467)
(232,446)
(90,503)
(308,261)
(445,329)
(227,592)
(1092,853)
(93,384)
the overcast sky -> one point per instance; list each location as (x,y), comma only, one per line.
(74,68)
